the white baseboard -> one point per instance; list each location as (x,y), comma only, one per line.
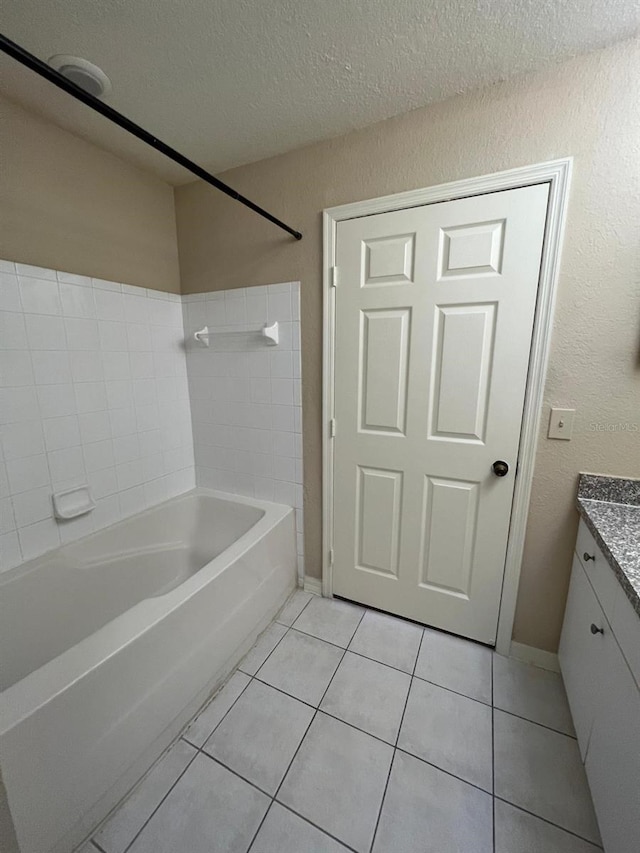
(313,585)
(537,657)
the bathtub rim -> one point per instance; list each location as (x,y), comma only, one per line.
(41,686)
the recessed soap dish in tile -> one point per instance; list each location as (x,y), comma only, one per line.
(73,502)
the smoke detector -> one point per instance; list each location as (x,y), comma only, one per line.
(83,73)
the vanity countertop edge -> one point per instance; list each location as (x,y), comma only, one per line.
(610,507)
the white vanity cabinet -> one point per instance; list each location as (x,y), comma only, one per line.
(600,669)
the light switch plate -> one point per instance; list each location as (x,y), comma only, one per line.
(561,423)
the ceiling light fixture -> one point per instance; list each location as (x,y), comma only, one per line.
(83,73)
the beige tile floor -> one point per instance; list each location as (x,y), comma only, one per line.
(345,729)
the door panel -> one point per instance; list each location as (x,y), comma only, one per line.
(384,355)
(379,499)
(434,315)
(461,371)
(448,528)
(388,260)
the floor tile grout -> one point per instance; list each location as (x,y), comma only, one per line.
(302,739)
(395,746)
(420,678)
(442,770)
(319,828)
(142,828)
(534,722)
(317,710)
(550,822)
(200,749)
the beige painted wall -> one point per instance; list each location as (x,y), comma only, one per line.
(586,108)
(68,205)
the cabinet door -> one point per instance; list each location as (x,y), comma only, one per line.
(613,758)
(580,653)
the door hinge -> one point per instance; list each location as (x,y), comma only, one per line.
(332,428)
(331,556)
(334,276)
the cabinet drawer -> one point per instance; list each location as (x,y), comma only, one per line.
(626,627)
(598,570)
(613,758)
(580,653)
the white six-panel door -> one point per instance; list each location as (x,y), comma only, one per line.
(434,317)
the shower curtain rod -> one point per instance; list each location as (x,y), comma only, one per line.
(30,61)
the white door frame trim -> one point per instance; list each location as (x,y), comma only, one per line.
(558,174)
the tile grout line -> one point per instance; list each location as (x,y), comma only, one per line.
(550,823)
(201,750)
(319,828)
(535,723)
(396,749)
(395,746)
(435,683)
(317,711)
(198,749)
(144,825)
(184,737)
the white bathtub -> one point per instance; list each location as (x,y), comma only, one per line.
(108,646)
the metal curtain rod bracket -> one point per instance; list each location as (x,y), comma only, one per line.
(30,61)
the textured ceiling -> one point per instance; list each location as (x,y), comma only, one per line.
(232,81)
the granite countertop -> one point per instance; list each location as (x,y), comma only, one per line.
(610,507)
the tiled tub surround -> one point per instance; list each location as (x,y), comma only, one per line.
(93,389)
(345,729)
(245,395)
(610,507)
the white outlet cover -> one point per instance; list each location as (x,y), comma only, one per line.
(561,423)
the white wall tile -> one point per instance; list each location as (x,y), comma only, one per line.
(245,402)
(36,272)
(113,336)
(13,334)
(34,505)
(38,538)
(90,397)
(10,554)
(116,365)
(99,455)
(73,278)
(9,292)
(51,368)
(56,400)
(103,483)
(77,300)
(18,404)
(45,332)
(94,426)
(39,296)
(87,367)
(102,284)
(82,334)
(26,474)
(76,528)
(66,466)
(16,368)
(22,439)
(7,521)
(109,304)
(279,307)
(60,433)
(114,397)
(79,371)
